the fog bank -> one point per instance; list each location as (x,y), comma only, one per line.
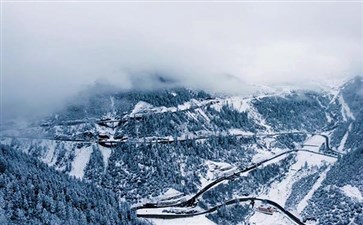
(52,50)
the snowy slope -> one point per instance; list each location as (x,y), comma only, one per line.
(197,220)
(177,148)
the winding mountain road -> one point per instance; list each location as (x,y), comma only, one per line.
(192,200)
(327,144)
(161,140)
(213,209)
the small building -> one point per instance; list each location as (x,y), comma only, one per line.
(267,210)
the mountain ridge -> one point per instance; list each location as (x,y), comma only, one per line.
(139,145)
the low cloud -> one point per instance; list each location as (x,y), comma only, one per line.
(52,50)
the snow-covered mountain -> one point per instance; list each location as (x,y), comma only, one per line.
(157,149)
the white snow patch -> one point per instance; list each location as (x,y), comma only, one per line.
(328,117)
(215,170)
(218,165)
(235,131)
(344,139)
(58,130)
(269,141)
(218,107)
(113,105)
(263,219)
(49,155)
(314,143)
(196,220)
(184,106)
(261,155)
(311,159)
(106,153)
(182,168)
(346,112)
(352,192)
(171,192)
(82,156)
(140,107)
(5,141)
(239,104)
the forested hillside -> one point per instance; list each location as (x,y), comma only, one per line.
(332,203)
(150,147)
(33,193)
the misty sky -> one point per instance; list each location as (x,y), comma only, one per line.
(52,50)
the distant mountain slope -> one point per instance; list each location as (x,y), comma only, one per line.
(142,145)
(33,193)
(339,198)
(333,202)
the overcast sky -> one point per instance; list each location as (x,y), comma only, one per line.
(52,50)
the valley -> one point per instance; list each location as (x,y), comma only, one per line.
(215,156)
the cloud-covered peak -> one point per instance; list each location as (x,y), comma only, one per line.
(51,50)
